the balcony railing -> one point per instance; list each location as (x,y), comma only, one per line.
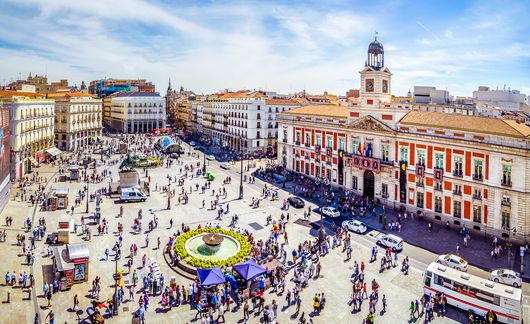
(419,184)
(477,196)
(478,177)
(506,203)
(506,183)
(458,173)
(297,142)
(457,192)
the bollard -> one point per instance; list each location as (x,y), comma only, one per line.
(8,296)
(29,293)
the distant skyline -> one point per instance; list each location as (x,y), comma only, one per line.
(283,46)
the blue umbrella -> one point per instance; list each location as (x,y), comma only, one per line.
(211,277)
(249,269)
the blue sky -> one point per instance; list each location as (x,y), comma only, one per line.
(283,46)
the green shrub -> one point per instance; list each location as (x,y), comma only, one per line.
(180,243)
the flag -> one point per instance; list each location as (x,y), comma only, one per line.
(359,149)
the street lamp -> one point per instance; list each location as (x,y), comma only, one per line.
(116,277)
(87,182)
(321,206)
(204,164)
(168,193)
(241,175)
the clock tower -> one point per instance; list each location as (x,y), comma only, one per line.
(375,78)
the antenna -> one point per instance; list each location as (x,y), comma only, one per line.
(376,33)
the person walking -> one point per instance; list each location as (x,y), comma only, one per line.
(76,303)
(245,310)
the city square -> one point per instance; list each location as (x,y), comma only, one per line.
(264,162)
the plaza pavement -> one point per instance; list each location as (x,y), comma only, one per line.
(334,281)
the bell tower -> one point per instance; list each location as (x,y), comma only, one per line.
(375,78)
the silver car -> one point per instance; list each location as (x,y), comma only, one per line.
(355,226)
(507,277)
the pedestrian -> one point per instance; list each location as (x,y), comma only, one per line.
(76,303)
(245,310)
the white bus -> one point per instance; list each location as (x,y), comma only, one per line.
(470,292)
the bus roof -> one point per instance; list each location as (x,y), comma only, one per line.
(475,281)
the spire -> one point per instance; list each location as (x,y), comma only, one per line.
(169,85)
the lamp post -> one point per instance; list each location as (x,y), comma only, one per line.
(169,193)
(116,277)
(241,174)
(204,164)
(321,206)
(87,182)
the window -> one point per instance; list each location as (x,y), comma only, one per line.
(421,157)
(297,166)
(354,180)
(477,170)
(438,186)
(506,175)
(505,220)
(458,162)
(328,174)
(419,199)
(384,190)
(329,141)
(317,171)
(384,153)
(285,135)
(439,160)
(307,139)
(457,190)
(506,201)
(259,108)
(342,144)
(477,194)
(319,140)
(457,209)
(306,169)
(355,147)
(477,214)
(438,204)
(298,138)
(404,153)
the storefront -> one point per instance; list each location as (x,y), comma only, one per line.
(70,264)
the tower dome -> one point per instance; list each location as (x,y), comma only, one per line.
(376,55)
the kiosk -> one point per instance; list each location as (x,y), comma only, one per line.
(70,264)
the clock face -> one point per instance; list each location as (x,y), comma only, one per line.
(369,85)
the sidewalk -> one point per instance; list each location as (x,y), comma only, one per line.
(440,240)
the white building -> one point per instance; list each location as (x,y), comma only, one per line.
(430,95)
(506,99)
(78,120)
(244,120)
(137,112)
(32,129)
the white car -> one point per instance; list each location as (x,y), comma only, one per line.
(452,261)
(507,277)
(331,212)
(355,226)
(210,157)
(225,166)
(392,241)
(192,144)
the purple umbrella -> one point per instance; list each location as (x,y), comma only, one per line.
(249,269)
(211,277)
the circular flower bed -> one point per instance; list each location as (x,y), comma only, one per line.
(180,249)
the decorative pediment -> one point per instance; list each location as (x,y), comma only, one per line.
(370,123)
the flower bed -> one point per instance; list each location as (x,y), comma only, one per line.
(180,249)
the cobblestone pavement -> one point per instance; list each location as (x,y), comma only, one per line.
(334,279)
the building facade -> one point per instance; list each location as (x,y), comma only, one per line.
(137,112)
(466,170)
(78,120)
(32,129)
(5,155)
(243,120)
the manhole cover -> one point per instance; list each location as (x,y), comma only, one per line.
(256,226)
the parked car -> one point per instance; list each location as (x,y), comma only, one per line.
(392,241)
(192,144)
(331,212)
(507,277)
(225,166)
(452,261)
(355,226)
(210,157)
(296,202)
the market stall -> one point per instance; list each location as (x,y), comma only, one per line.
(250,278)
(70,263)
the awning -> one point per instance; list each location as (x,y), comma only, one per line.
(78,251)
(53,151)
(33,161)
(62,262)
(249,269)
(39,157)
(211,277)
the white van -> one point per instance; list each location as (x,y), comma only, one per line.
(132,194)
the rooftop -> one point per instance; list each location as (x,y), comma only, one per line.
(137,94)
(282,102)
(475,124)
(329,110)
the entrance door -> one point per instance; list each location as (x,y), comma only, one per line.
(368,184)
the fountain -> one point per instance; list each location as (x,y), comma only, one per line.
(212,246)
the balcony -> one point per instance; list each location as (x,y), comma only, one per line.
(506,183)
(284,140)
(477,196)
(457,192)
(306,144)
(506,203)
(387,162)
(478,177)
(419,184)
(297,142)
(458,173)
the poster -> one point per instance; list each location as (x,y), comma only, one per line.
(79,271)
